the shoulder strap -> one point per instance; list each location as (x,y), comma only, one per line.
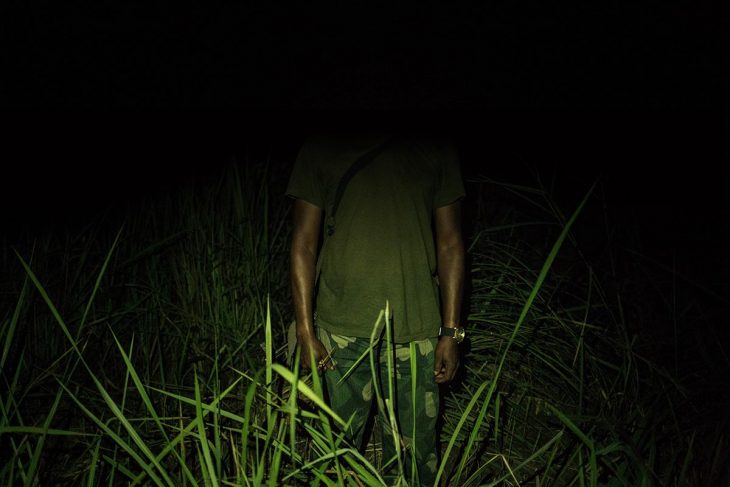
(356,166)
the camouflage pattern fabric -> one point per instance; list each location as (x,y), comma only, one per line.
(354,397)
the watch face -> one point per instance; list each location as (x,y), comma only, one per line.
(459,334)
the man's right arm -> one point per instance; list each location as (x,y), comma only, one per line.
(303,256)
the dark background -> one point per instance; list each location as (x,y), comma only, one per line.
(364,54)
(102,97)
(108,101)
(667,167)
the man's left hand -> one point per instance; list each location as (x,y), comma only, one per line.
(446,360)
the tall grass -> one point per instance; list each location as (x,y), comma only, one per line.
(154,355)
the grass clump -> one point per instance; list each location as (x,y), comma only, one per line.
(154,355)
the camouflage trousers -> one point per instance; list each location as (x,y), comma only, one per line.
(355,397)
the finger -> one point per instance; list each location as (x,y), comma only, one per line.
(438,366)
(451,370)
(452,367)
(439,376)
(330,365)
(325,362)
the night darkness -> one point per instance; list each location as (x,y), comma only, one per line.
(109,103)
(632,90)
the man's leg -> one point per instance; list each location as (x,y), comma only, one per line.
(416,419)
(353,396)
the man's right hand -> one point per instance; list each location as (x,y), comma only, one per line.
(313,354)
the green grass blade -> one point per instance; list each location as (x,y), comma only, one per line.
(245,426)
(207,408)
(571,426)
(117,439)
(140,387)
(307,391)
(330,455)
(8,330)
(325,422)
(200,421)
(97,284)
(293,408)
(465,452)
(389,402)
(204,468)
(180,437)
(269,358)
(592,460)
(119,466)
(526,462)
(459,426)
(35,459)
(51,306)
(530,299)
(414,375)
(141,444)
(278,452)
(38,430)
(91,478)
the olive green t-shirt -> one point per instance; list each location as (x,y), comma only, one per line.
(383,246)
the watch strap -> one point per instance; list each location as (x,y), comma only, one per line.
(456,333)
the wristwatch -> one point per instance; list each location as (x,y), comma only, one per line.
(457,334)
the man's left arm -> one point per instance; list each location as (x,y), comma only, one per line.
(451,256)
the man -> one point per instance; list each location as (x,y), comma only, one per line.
(381,248)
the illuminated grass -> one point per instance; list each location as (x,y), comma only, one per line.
(154,356)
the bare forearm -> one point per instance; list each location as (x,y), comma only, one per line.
(303,251)
(451,282)
(302,281)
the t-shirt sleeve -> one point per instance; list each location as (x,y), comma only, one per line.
(450,186)
(304,182)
